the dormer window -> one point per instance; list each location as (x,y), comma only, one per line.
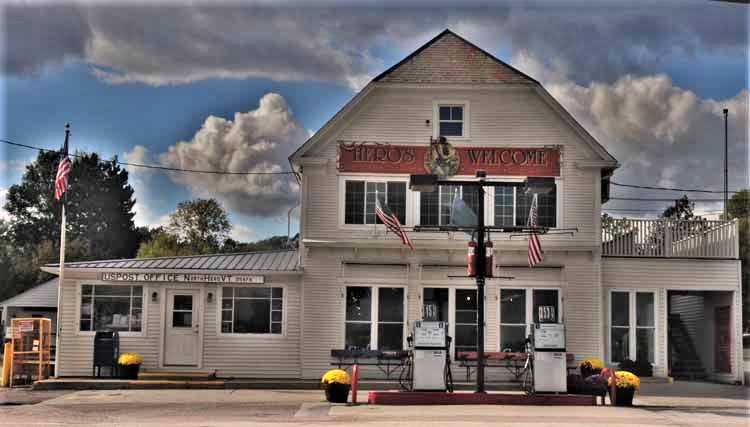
(451,120)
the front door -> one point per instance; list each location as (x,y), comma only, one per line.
(182,329)
(723,339)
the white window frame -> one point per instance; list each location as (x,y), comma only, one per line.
(410,197)
(490,213)
(466,131)
(220,296)
(451,308)
(144,307)
(632,323)
(375,314)
(529,308)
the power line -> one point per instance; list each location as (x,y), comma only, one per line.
(646,187)
(166,168)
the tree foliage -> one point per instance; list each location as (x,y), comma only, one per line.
(738,208)
(201,224)
(99,213)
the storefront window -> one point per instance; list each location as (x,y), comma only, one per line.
(513,320)
(466,320)
(545,309)
(359,203)
(632,326)
(512,207)
(108,307)
(381,306)
(435,304)
(251,310)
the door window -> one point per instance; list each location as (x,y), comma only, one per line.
(182,311)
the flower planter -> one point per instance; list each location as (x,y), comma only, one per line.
(587,372)
(624,396)
(129,372)
(337,393)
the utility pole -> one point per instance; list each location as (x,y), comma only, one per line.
(480,272)
(726,162)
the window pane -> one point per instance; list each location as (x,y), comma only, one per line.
(137,302)
(457,113)
(513,338)
(470,196)
(390,304)
(447,194)
(620,309)
(358,303)
(85,325)
(620,344)
(183,302)
(227,292)
(445,113)
(85,307)
(435,304)
(252,293)
(397,200)
(226,303)
(504,206)
(276,304)
(546,208)
(451,129)
(276,316)
(226,315)
(277,292)
(182,319)
(644,309)
(354,210)
(275,328)
(513,306)
(86,289)
(226,327)
(546,299)
(252,316)
(428,208)
(390,336)
(357,335)
(644,344)
(466,299)
(466,338)
(135,320)
(373,189)
(111,313)
(102,290)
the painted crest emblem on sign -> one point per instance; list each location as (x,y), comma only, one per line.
(442,159)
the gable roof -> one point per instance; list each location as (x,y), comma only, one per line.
(267,261)
(449,58)
(43,295)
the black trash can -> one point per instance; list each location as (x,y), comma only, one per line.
(106,352)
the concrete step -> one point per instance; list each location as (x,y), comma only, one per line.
(176,376)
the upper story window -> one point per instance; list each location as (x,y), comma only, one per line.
(512,207)
(359,200)
(435,208)
(451,120)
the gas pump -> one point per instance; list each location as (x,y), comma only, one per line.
(430,370)
(550,364)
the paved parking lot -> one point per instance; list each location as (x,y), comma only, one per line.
(658,404)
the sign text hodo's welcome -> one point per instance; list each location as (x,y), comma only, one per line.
(390,158)
(181,277)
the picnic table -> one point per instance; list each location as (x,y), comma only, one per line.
(388,362)
(513,362)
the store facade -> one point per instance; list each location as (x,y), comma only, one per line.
(353,284)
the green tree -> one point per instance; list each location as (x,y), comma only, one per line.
(98,204)
(202,224)
(162,244)
(682,209)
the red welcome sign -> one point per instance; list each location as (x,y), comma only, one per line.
(444,159)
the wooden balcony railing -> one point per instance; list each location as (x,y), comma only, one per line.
(670,238)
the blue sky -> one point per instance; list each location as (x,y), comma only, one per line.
(123,83)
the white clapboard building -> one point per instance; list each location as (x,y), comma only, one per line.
(663,291)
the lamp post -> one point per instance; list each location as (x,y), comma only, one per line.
(428,183)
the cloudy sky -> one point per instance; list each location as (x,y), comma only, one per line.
(238,87)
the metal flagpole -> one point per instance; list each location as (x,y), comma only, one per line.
(61,276)
(726,158)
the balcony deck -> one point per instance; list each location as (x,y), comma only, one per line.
(665,238)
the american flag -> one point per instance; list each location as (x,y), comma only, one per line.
(61,180)
(535,248)
(391,222)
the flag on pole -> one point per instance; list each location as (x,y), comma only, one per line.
(535,248)
(391,221)
(61,179)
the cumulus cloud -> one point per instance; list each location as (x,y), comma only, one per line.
(241,233)
(3,199)
(663,135)
(256,141)
(180,44)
